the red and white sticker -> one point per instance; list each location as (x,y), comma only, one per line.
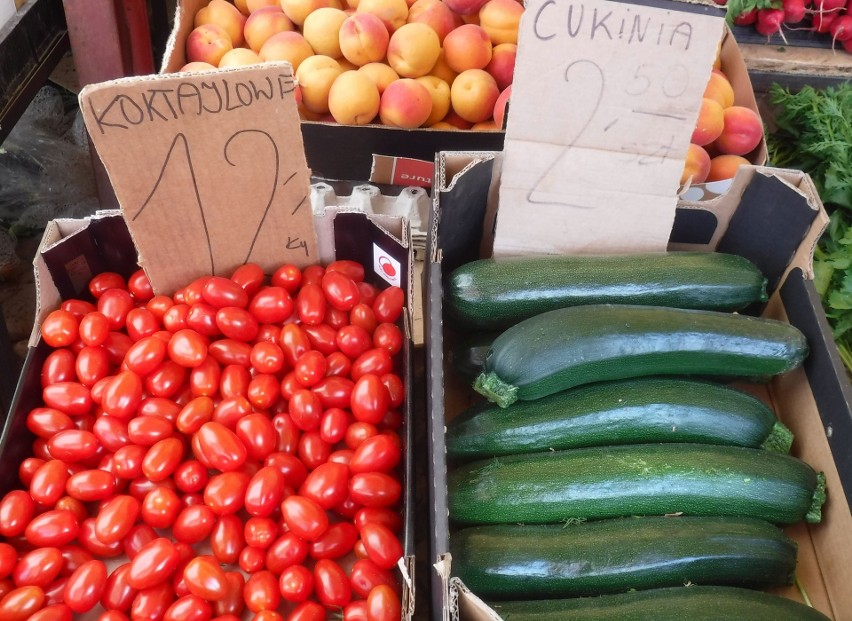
(386,266)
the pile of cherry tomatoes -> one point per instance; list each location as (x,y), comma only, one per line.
(229,452)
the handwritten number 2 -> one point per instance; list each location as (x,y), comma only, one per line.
(598,87)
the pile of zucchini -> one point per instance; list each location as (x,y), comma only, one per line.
(609,464)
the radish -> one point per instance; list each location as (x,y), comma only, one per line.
(841,29)
(829,6)
(822,21)
(794,11)
(769,21)
(847,45)
(747,18)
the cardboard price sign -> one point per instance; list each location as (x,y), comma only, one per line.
(605,99)
(209,169)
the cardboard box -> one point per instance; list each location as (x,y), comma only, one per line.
(772,217)
(346,151)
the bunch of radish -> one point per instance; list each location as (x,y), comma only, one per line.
(832,17)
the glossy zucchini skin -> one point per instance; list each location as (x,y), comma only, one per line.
(638,479)
(511,561)
(496,293)
(633,411)
(568,347)
(695,603)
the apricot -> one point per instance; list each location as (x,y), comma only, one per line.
(239,57)
(363,39)
(322,30)
(405,103)
(502,65)
(353,99)
(440,93)
(467,47)
(263,23)
(500,19)
(696,166)
(208,43)
(720,90)
(436,15)
(473,95)
(315,76)
(442,69)
(500,105)
(298,10)
(380,73)
(197,66)
(413,50)
(254,5)
(455,120)
(225,15)
(393,13)
(485,126)
(444,125)
(710,123)
(290,46)
(742,131)
(725,167)
(465,7)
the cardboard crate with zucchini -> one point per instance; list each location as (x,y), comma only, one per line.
(637,410)
(183,404)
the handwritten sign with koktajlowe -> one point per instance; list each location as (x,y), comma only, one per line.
(605,99)
(209,169)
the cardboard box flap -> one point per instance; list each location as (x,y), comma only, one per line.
(174,56)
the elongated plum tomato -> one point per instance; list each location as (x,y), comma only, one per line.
(218,447)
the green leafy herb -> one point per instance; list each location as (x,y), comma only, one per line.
(738,7)
(814,134)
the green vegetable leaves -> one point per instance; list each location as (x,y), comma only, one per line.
(738,7)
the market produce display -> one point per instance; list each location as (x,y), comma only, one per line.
(583,477)
(231,449)
(432,63)
(812,131)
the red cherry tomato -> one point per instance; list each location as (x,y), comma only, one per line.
(341,456)
(388,518)
(52,528)
(261,592)
(362,315)
(267,357)
(94,329)
(28,468)
(263,391)
(230,351)
(92,365)
(334,391)
(48,482)
(194,414)
(331,584)
(312,450)
(380,453)
(127,461)
(383,604)
(160,507)
(322,336)
(389,337)
(294,342)
(260,532)
(205,378)
(289,465)
(287,276)
(352,269)
(116,346)
(225,493)
(189,608)
(147,430)
(39,567)
(166,380)
(145,355)
(271,305)
(53,612)
(19,604)
(310,304)
(368,293)
(16,510)
(366,575)
(333,425)
(60,328)
(115,304)
(91,485)
(202,318)
(249,276)
(252,559)
(395,387)
(264,492)
(153,564)
(288,550)
(377,361)
(374,489)
(287,433)
(70,397)
(78,308)
(191,476)
(353,340)
(85,586)
(59,366)
(104,282)
(388,305)
(232,603)
(221,292)
(116,518)
(218,447)
(176,318)
(340,290)
(226,540)
(122,395)
(355,610)
(337,541)
(153,602)
(310,368)
(237,323)
(327,485)
(304,517)
(305,409)
(205,578)
(339,365)
(381,545)
(138,537)
(370,400)
(118,594)
(161,459)
(139,286)
(194,524)
(307,611)
(296,583)
(194,291)
(187,348)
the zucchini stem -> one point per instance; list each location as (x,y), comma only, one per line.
(490,386)
(779,440)
(814,514)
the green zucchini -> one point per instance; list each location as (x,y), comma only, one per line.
(512,561)
(633,411)
(468,356)
(564,348)
(636,479)
(496,293)
(695,603)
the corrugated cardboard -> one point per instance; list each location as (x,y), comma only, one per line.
(772,217)
(600,85)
